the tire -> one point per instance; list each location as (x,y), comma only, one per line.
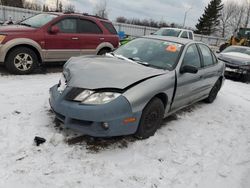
(103,51)
(151,119)
(213,93)
(246,77)
(21,60)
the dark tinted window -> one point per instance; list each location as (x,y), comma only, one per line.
(87,26)
(68,25)
(207,55)
(192,57)
(190,35)
(109,27)
(214,58)
(184,35)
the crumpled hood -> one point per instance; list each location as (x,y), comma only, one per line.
(15,28)
(97,72)
(235,58)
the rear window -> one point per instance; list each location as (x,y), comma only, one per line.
(87,26)
(109,27)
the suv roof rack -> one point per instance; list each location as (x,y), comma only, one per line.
(96,16)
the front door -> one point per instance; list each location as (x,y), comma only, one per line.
(65,43)
(188,85)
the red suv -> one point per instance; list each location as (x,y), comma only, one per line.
(54,37)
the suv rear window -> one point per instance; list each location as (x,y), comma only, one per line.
(109,27)
(87,26)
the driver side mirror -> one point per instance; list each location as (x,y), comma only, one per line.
(54,29)
(188,69)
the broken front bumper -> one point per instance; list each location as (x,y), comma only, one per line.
(95,120)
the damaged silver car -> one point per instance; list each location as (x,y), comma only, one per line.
(131,90)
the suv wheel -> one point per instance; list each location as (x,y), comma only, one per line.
(104,51)
(21,60)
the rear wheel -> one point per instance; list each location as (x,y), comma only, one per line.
(21,60)
(104,51)
(213,93)
(246,77)
(151,119)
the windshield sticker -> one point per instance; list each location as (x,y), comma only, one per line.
(171,48)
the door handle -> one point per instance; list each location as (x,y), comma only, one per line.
(74,38)
(101,38)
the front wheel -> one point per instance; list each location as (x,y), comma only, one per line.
(213,93)
(151,119)
(21,60)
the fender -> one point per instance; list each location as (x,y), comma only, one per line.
(4,49)
(104,45)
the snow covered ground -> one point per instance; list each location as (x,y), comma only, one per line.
(205,146)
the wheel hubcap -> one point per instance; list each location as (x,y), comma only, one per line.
(151,120)
(23,62)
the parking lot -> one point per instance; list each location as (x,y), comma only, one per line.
(201,146)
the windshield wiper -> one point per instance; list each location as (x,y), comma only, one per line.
(121,57)
(144,63)
(28,25)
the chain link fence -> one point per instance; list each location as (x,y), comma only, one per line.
(16,14)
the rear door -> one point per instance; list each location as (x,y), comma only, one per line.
(65,44)
(209,71)
(90,36)
(188,85)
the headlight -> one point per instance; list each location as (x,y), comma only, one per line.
(89,97)
(2,37)
(83,95)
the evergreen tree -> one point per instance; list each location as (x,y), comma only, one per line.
(210,18)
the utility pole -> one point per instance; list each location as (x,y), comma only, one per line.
(57,5)
(185,17)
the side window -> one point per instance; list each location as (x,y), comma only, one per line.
(87,26)
(184,35)
(207,55)
(192,57)
(68,25)
(109,27)
(214,58)
(190,35)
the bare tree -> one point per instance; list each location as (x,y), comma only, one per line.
(70,8)
(247,13)
(227,14)
(32,5)
(237,19)
(101,9)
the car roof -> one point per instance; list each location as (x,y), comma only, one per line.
(171,39)
(75,14)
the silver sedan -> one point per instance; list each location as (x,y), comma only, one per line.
(132,89)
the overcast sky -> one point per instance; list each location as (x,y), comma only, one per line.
(166,10)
